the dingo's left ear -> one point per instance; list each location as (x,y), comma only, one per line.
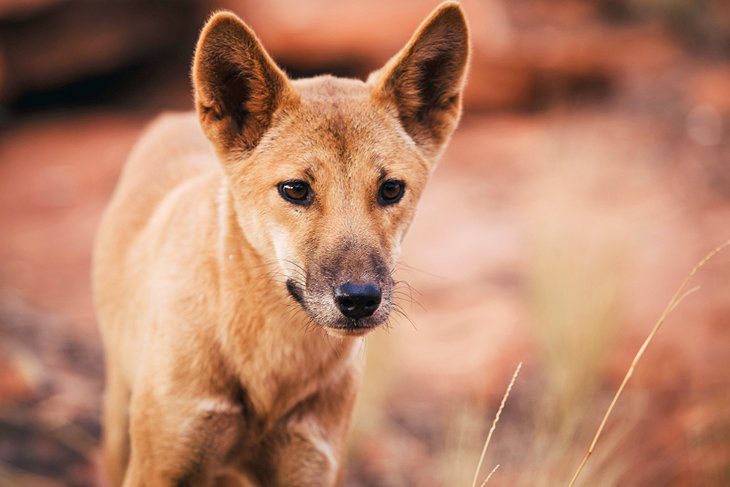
(424,81)
(238,87)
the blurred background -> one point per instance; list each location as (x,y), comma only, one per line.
(590,172)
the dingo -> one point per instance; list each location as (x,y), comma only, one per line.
(238,266)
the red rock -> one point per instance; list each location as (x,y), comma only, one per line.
(20,376)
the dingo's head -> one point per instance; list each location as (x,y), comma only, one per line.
(325,173)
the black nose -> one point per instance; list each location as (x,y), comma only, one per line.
(357,300)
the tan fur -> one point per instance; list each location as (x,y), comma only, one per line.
(215,374)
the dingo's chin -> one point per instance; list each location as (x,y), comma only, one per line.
(349,332)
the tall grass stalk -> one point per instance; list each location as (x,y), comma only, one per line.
(677,298)
(494,426)
(486,480)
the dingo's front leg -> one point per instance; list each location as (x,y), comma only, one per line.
(303,458)
(179,440)
(116,428)
(307,448)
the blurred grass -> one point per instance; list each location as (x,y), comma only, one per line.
(573,283)
(466,430)
(573,294)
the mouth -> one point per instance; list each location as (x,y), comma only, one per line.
(349,331)
(295,292)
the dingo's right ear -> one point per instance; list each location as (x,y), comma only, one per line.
(237,85)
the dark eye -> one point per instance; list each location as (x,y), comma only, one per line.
(297,192)
(391,192)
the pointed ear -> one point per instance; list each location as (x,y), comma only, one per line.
(424,81)
(238,87)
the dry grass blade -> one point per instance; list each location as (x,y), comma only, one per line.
(494,425)
(490,475)
(677,298)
